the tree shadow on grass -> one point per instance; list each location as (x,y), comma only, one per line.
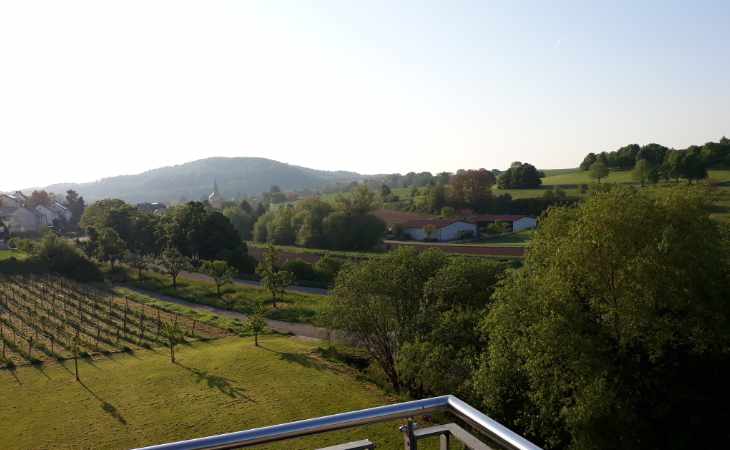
(14,373)
(302,359)
(38,365)
(213,381)
(106,406)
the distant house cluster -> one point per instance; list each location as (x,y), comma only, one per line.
(19,217)
(428,228)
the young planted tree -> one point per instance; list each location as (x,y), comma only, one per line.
(172,332)
(172,263)
(75,349)
(256,324)
(137,262)
(220,272)
(274,280)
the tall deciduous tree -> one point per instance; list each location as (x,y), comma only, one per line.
(110,247)
(472,188)
(615,330)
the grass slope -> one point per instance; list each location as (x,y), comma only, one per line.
(217,387)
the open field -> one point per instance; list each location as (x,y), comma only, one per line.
(43,317)
(7,254)
(295,307)
(125,401)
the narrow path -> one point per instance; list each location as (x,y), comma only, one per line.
(299,329)
(297,289)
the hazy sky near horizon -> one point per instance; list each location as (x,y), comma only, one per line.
(96,88)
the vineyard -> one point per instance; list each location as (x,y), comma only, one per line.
(47,317)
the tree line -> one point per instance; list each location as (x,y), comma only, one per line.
(654,162)
(613,331)
(348,224)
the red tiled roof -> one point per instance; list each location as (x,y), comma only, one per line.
(398,217)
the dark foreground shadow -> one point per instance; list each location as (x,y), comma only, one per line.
(220,383)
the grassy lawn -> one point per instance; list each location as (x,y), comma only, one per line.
(520,239)
(295,307)
(315,251)
(217,387)
(7,254)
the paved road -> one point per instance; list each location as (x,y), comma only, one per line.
(297,289)
(299,329)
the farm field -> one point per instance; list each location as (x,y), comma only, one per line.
(44,318)
(126,401)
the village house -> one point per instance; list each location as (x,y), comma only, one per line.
(432,228)
(22,220)
(54,213)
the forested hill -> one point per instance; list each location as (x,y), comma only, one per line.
(194,180)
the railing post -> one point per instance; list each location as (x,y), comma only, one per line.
(409,439)
(444,439)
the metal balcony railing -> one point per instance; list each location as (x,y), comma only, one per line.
(493,430)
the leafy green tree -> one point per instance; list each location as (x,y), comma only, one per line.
(138,262)
(521,176)
(377,302)
(185,228)
(598,171)
(274,280)
(246,207)
(448,212)
(444,354)
(360,201)
(110,247)
(220,272)
(261,227)
(615,329)
(588,161)
(641,171)
(172,263)
(472,188)
(693,167)
(256,324)
(353,231)
(436,198)
(281,228)
(241,220)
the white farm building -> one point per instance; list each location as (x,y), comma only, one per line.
(439,230)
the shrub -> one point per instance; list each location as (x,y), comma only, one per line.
(61,257)
(302,270)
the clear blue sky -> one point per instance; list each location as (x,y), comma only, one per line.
(93,89)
